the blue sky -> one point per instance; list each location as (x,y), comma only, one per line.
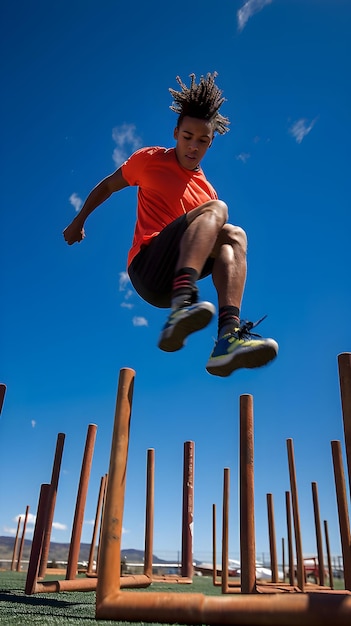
(84,85)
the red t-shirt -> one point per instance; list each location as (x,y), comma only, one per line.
(166,191)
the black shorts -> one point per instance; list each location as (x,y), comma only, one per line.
(152,270)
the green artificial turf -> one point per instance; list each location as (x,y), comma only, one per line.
(76,608)
(69,607)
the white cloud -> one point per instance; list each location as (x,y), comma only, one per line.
(243,156)
(10,531)
(30,518)
(76,202)
(248,10)
(58,526)
(301,128)
(123,281)
(33,423)
(119,156)
(139,321)
(127,141)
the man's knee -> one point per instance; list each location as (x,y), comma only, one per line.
(234,235)
(217,208)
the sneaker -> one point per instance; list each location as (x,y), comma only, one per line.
(183,321)
(241,348)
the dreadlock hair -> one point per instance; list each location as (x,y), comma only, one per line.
(202,101)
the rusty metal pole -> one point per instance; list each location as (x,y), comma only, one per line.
(283,558)
(96,525)
(261,609)
(327,543)
(344,363)
(18,568)
(344,523)
(290,541)
(214,546)
(225,530)
(296,516)
(149,511)
(15,544)
(272,538)
(101,520)
(111,536)
(188,510)
(74,548)
(51,504)
(195,608)
(247,515)
(2,395)
(317,522)
(38,538)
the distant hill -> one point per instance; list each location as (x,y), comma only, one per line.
(59,551)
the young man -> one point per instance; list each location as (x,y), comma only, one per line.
(182,235)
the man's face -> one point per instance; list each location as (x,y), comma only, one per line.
(193,138)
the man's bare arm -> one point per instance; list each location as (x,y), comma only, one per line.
(109,185)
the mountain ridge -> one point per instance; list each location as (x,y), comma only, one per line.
(59,551)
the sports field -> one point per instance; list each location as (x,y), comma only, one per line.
(68,608)
(75,607)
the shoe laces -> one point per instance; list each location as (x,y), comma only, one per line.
(246,327)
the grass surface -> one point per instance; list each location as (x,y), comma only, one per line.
(70,607)
(76,608)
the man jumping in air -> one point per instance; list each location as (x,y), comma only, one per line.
(182,234)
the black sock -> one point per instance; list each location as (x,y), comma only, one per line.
(184,286)
(228,319)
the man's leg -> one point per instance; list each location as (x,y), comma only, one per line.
(208,235)
(200,237)
(197,242)
(236,346)
(229,275)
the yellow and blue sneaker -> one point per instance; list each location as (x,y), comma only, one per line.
(183,321)
(241,349)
